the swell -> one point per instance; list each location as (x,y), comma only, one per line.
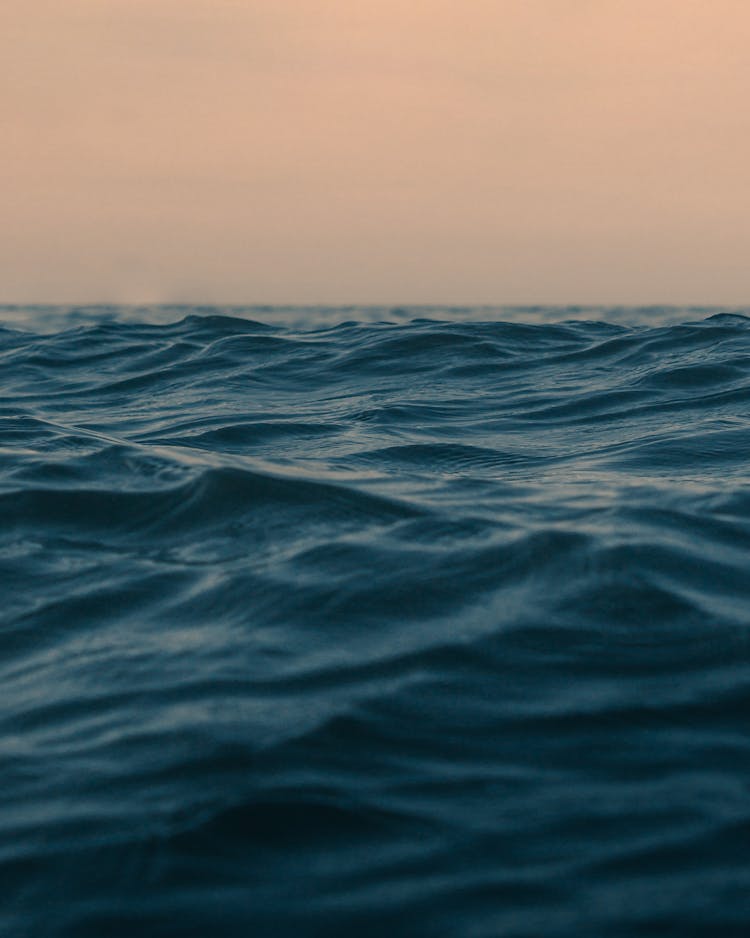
(395,621)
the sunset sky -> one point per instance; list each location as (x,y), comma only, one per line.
(373,151)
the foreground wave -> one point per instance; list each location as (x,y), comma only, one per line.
(425,626)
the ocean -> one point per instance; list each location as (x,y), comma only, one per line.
(405,622)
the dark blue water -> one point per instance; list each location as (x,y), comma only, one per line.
(373,622)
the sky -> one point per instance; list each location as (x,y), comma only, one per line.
(375,151)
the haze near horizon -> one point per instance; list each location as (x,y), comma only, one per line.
(526,151)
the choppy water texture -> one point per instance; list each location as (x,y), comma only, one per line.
(374,622)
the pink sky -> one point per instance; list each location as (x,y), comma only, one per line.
(355,151)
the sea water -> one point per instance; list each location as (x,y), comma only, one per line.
(375,622)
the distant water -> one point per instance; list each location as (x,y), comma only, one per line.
(374,622)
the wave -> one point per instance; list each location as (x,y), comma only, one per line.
(409,621)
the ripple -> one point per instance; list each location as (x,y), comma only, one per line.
(383,620)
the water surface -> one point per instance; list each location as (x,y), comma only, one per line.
(409,622)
